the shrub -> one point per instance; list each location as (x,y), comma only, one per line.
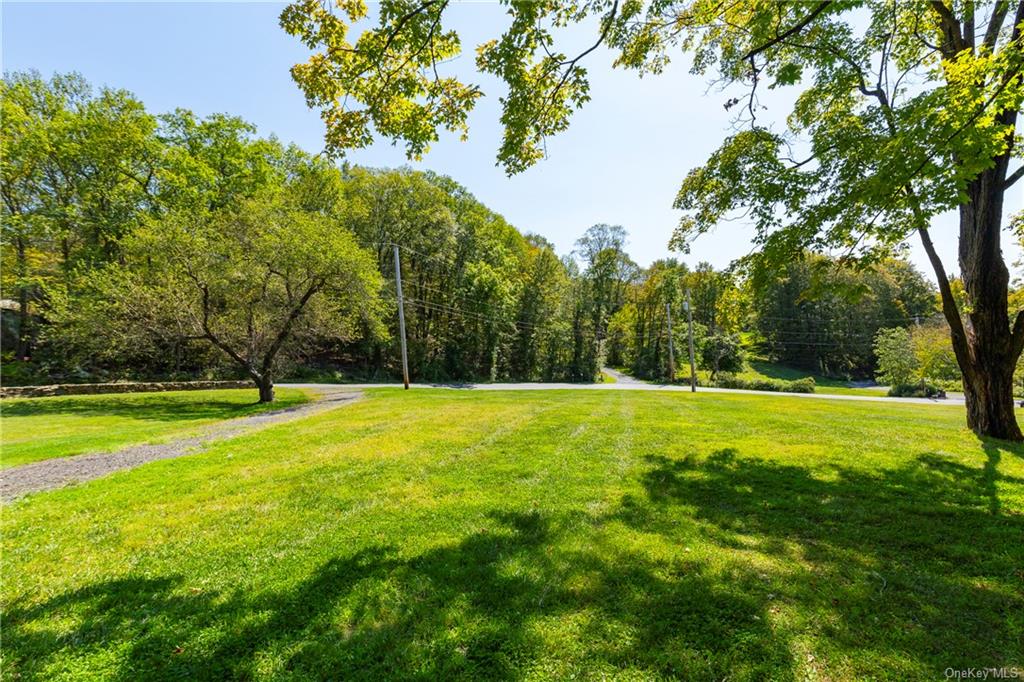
(805,385)
(934,352)
(920,390)
(721,353)
(897,363)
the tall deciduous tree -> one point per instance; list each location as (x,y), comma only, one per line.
(907,109)
(257,279)
(76,175)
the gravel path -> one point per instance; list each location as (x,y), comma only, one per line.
(60,471)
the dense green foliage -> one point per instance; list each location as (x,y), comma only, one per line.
(544,535)
(222,253)
(817,314)
(897,363)
(823,316)
(804,385)
(721,353)
(919,389)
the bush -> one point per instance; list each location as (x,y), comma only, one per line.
(897,363)
(934,352)
(922,390)
(721,353)
(805,385)
(18,372)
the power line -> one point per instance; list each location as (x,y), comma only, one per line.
(818,318)
(435,258)
(440,307)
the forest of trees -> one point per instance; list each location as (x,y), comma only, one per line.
(171,246)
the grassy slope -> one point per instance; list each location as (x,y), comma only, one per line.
(445,534)
(762,369)
(34,429)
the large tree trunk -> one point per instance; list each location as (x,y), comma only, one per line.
(266,386)
(989,394)
(988,349)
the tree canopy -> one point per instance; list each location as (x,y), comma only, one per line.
(235,255)
(904,110)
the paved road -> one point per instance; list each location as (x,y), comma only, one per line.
(620,377)
(635,385)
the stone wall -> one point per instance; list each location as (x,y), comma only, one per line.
(120,387)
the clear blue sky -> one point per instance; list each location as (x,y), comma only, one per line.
(621,161)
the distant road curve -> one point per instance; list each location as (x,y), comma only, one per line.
(634,385)
(620,377)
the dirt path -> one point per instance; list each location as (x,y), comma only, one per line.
(55,473)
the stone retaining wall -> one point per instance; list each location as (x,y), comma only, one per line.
(120,387)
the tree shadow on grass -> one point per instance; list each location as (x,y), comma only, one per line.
(150,407)
(900,572)
(918,564)
(473,610)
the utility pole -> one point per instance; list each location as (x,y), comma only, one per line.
(671,354)
(693,367)
(401,318)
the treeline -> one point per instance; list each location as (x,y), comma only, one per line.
(818,315)
(139,246)
(172,246)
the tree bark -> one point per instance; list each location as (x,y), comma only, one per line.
(989,394)
(266,386)
(989,349)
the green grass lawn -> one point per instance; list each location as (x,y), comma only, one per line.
(33,429)
(441,534)
(762,369)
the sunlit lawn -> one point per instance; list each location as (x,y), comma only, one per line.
(762,369)
(441,534)
(33,429)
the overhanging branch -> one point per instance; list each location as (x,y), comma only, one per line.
(996,23)
(793,30)
(949,309)
(1014,177)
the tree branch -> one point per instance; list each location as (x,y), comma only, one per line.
(951,31)
(1017,335)
(213,337)
(1014,177)
(275,346)
(821,7)
(949,309)
(402,21)
(572,62)
(996,23)
(968,32)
